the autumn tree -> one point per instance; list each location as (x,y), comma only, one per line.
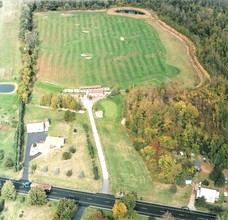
(37,196)
(119,210)
(8,191)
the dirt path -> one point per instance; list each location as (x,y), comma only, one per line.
(191,50)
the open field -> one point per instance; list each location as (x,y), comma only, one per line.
(80,160)
(13,209)
(122,51)
(9,45)
(89,210)
(8,123)
(127,169)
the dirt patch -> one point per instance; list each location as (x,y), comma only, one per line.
(191,50)
(87,56)
(206,167)
(65,14)
(120,58)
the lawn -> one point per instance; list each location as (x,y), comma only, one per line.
(126,168)
(80,160)
(8,123)
(123,51)
(87,214)
(13,210)
(9,45)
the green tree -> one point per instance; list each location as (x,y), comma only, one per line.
(8,191)
(223,216)
(66,209)
(37,196)
(129,200)
(69,116)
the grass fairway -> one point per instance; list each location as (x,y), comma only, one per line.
(9,45)
(126,168)
(124,51)
(80,160)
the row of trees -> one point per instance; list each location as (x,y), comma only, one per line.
(27,72)
(57,101)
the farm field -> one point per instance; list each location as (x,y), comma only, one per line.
(9,45)
(127,170)
(80,160)
(82,48)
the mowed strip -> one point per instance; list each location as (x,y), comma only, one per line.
(124,51)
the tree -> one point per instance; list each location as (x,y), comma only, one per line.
(119,210)
(69,116)
(201,202)
(66,209)
(8,191)
(129,200)
(37,196)
(223,216)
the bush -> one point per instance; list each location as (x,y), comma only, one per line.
(21,199)
(1,154)
(173,188)
(69,116)
(57,171)
(33,168)
(95,172)
(72,150)
(201,202)
(45,169)
(66,155)
(69,173)
(81,175)
(205,182)
(8,162)
(90,147)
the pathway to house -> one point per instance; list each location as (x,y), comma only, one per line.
(105,188)
(191,204)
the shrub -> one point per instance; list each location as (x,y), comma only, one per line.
(33,168)
(1,154)
(8,162)
(66,155)
(201,202)
(90,147)
(69,116)
(81,175)
(21,199)
(72,150)
(69,173)
(45,169)
(173,188)
(205,182)
(95,172)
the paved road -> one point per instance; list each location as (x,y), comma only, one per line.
(105,188)
(31,139)
(107,201)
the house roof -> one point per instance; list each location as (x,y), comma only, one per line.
(97,91)
(209,194)
(90,87)
(35,127)
(197,163)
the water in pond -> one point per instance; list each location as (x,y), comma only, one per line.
(130,12)
(6,88)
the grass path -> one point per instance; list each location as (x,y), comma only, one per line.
(126,168)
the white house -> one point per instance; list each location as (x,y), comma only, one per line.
(38,127)
(211,195)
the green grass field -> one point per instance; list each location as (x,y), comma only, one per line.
(139,58)
(9,45)
(126,168)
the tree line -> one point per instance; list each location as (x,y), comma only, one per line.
(57,101)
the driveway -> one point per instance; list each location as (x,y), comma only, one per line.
(105,188)
(31,139)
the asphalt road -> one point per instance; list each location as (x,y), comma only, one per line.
(107,201)
(31,139)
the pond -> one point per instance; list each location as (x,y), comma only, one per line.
(130,12)
(6,88)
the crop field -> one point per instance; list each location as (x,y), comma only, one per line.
(9,45)
(82,48)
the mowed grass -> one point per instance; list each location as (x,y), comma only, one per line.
(126,168)
(8,123)
(9,44)
(80,160)
(138,58)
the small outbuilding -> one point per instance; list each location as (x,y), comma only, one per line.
(188,180)
(197,165)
